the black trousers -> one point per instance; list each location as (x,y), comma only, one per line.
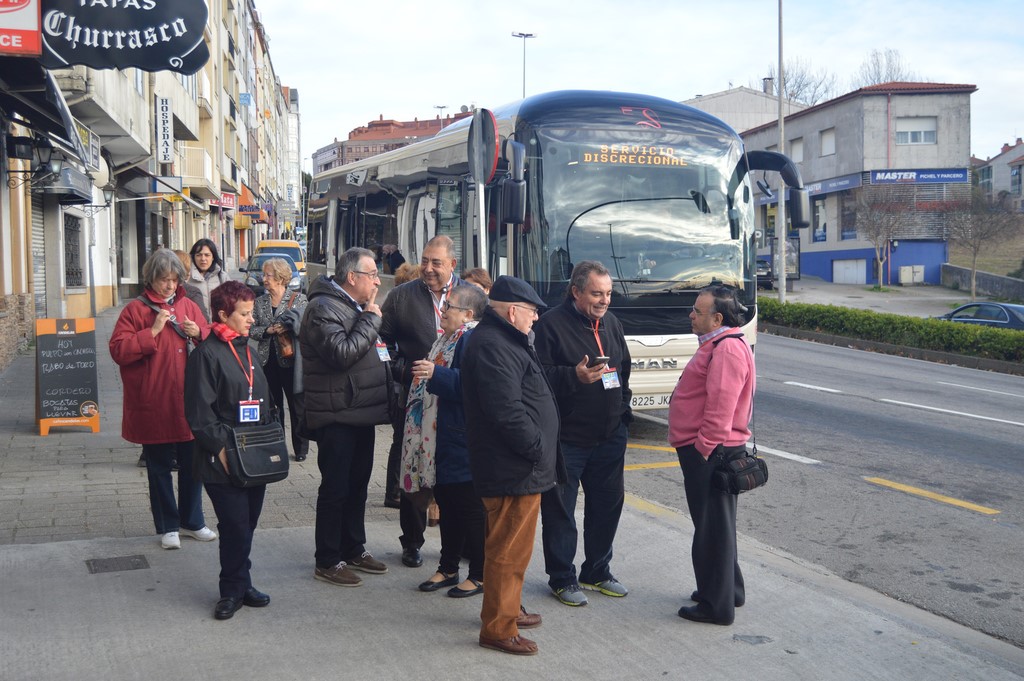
(280,380)
(715,564)
(238,512)
(463,524)
(345,460)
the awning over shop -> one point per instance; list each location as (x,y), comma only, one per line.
(29,90)
(248,211)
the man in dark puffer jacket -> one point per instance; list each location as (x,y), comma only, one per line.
(348,382)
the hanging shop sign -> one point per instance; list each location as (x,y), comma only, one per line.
(152,35)
(164,131)
(19,28)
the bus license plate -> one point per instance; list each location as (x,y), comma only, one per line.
(650,401)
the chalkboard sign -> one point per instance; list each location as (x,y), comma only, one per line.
(66,385)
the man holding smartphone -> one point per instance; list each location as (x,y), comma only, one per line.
(583,350)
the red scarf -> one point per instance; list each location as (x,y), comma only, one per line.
(224,332)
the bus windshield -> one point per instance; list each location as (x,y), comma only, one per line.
(657,213)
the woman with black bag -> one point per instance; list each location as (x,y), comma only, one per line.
(225,388)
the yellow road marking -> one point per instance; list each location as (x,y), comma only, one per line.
(660,464)
(932,495)
(657,449)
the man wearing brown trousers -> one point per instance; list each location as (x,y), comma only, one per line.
(512,434)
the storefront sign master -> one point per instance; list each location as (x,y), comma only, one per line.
(152,35)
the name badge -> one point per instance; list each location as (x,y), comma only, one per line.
(610,379)
(382,352)
(249,411)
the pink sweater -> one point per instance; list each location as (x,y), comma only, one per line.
(711,404)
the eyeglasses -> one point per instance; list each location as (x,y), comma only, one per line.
(532,310)
(698,312)
(371,275)
(448,306)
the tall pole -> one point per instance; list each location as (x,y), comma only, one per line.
(440,108)
(780,214)
(524,36)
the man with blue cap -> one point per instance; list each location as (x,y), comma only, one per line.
(512,434)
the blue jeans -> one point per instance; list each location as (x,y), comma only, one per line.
(169,516)
(599,469)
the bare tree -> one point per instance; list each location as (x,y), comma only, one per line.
(882,66)
(880,209)
(981,224)
(803,83)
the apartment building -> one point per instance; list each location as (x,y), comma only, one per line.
(179,157)
(908,141)
(1000,175)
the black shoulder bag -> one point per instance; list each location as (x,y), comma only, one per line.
(742,471)
(257,454)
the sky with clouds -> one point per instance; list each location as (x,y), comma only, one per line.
(353,62)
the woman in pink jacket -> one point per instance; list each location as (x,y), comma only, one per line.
(708,417)
(150,344)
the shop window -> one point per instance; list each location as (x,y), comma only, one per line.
(819,226)
(73,252)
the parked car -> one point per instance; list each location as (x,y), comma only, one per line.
(288,247)
(765,276)
(254,272)
(995,315)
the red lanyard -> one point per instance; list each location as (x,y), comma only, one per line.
(252,370)
(597,337)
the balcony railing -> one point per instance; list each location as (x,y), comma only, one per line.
(197,172)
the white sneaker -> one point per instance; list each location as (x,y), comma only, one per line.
(202,534)
(170,541)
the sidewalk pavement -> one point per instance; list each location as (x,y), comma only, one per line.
(914,301)
(74,499)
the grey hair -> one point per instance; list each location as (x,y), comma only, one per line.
(349,262)
(279,269)
(581,274)
(469,296)
(443,241)
(726,304)
(162,262)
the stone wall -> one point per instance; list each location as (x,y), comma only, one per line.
(17,326)
(991,285)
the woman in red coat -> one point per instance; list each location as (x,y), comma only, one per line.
(150,344)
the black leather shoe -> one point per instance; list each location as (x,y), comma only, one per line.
(695,614)
(226,608)
(393,502)
(739,599)
(449,580)
(456,592)
(255,599)
(411,557)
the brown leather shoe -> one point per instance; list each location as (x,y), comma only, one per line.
(517,645)
(527,620)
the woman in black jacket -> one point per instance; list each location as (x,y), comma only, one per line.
(222,373)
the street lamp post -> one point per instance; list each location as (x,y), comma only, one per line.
(440,108)
(524,36)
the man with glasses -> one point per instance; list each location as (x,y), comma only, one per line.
(710,414)
(412,322)
(583,349)
(512,436)
(347,378)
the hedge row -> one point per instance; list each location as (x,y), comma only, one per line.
(926,334)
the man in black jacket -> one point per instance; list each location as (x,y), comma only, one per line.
(584,353)
(412,322)
(347,378)
(512,435)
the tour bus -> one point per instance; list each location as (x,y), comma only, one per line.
(658,192)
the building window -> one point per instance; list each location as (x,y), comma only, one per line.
(819,226)
(796,150)
(847,217)
(140,81)
(73,251)
(915,130)
(828,142)
(1015,173)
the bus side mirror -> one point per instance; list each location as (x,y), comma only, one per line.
(513,188)
(799,208)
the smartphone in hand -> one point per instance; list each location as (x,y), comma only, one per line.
(598,361)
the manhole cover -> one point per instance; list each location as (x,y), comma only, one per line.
(98,565)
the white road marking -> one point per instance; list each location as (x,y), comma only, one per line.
(645,417)
(984,390)
(950,411)
(785,455)
(813,387)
